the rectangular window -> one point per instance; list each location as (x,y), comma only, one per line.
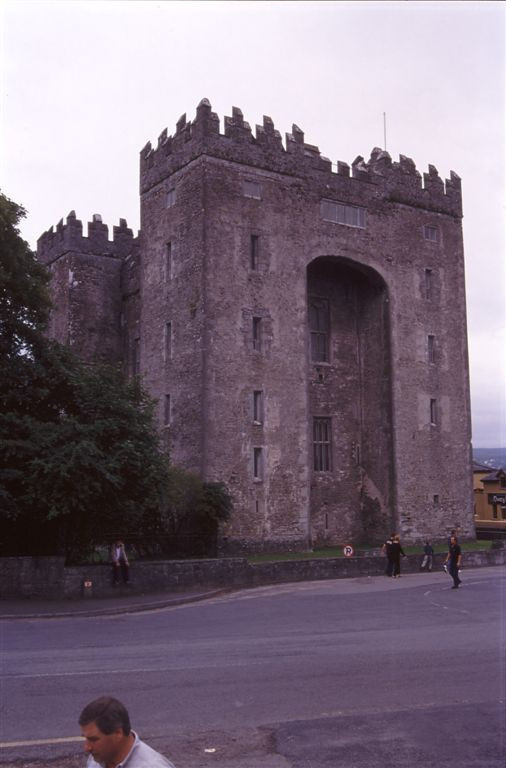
(429,284)
(258,406)
(431,349)
(136,357)
(257,333)
(338,213)
(168,262)
(168,341)
(257,464)
(252,189)
(171,198)
(321,445)
(319,329)
(167,413)
(433,412)
(435,498)
(254,252)
(431,233)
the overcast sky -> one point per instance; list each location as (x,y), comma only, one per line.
(86,84)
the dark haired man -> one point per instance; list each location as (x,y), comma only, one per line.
(109,740)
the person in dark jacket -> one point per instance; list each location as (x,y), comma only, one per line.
(387,550)
(397,551)
(453,561)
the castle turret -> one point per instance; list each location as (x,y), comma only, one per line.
(88,284)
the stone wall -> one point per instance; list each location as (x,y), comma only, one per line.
(37,578)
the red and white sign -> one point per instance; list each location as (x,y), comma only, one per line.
(348,550)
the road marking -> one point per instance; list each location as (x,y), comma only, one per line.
(143,671)
(40,742)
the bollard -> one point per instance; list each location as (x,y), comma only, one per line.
(87,588)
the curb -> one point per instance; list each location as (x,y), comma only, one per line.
(119,610)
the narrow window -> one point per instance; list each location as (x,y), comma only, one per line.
(254,252)
(433,411)
(435,498)
(252,189)
(257,464)
(171,198)
(321,445)
(494,511)
(431,350)
(319,329)
(168,261)
(168,341)
(431,233)
(429,284)
(257,333)
(136,357)
(338,213)
(167,413)
(258,415)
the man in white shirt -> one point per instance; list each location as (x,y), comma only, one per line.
(110,741)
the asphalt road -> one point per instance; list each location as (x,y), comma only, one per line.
(356,673)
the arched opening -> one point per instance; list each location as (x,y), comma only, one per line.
(350,406)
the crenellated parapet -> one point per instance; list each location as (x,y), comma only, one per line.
(68,237)
(397,182)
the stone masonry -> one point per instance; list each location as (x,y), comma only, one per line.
(302,327)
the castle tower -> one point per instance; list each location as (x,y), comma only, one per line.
(302,326)
(94,286)
(304,331)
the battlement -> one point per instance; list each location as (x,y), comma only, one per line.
(69,237)
(394,181)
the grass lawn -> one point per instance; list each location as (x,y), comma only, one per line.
(417,549)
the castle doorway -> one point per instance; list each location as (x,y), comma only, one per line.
(350,405)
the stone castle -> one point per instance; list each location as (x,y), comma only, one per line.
(301,325)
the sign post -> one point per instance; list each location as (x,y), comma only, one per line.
(348,550)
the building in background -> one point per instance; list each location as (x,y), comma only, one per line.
(301,325)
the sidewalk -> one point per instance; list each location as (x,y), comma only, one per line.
(105,606)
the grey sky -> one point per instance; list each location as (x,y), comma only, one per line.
(86,84)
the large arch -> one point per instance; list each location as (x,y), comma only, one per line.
(349,403)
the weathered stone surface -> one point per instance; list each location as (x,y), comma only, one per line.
(207,323)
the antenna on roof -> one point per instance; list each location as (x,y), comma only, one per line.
(385,130)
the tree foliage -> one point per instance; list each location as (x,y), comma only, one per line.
(79,452)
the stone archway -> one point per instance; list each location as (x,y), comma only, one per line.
(350,405)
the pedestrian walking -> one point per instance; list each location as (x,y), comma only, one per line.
(453,561)
(387,550)
(428,554)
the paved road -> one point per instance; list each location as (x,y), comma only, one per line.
(356,673)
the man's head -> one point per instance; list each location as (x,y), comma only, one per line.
(105,725)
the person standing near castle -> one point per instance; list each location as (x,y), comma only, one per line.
(428,554)
(387,549)
(120,564)
(397,551)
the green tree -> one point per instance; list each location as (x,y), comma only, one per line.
(24,296)
(79,453)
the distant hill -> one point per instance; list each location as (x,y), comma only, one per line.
(491,457)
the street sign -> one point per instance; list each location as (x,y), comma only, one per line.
(348,550)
